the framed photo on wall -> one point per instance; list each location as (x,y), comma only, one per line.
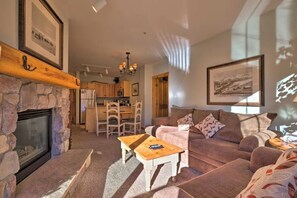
(135,89)
(238,83)
(41,32)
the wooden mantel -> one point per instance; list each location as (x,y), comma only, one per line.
(11,63)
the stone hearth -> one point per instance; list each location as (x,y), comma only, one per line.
(17,95)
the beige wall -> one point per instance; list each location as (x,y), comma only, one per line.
(9,26)
(151,70)
(259,35)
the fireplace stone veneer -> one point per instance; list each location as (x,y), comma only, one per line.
(18,95)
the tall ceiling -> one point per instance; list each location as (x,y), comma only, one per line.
(146,28)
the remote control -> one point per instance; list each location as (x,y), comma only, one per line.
(156,146)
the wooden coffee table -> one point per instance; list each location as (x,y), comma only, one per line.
(280,144)
(150,158)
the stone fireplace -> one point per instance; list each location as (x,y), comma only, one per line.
(20,95)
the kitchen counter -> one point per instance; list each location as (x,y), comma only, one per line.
(126,112)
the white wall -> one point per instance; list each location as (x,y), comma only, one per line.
(9,26)
(151,70)
(259,35)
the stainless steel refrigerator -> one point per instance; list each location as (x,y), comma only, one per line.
(87,99)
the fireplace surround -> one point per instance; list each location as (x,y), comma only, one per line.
(20,95)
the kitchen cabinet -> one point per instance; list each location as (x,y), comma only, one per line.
(105,89)
(100,89)
(110,90)
(123,85)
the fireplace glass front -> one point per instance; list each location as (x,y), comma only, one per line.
(33,145)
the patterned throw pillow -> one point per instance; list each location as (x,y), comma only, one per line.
(279,180)
(209,126)
(187,119)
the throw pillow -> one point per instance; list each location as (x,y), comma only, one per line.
(209,126)
(279,180)
(187,119)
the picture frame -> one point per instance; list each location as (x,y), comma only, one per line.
(135,89)
(239,83)
(41,32)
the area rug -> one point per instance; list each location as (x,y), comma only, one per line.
(107,177)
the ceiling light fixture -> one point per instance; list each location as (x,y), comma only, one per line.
(99,5)
(88,69)
(85,73)
(106,71)
(125,67)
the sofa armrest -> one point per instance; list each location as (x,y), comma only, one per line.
(160,121)
(251,142)
(263,156)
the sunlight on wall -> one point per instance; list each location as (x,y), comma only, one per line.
(286,87)
(247,109)
(246,43)
(177,96)
(286,64)
(286,32)
(177,49)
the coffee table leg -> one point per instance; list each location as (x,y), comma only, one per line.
(147,171)
(174,162)
(123,153)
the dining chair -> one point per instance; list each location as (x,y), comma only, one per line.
(100,123)
(114,124)
(133,125)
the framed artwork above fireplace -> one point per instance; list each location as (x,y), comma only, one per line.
(41,32)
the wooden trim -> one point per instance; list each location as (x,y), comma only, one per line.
(11,63)
(155,94)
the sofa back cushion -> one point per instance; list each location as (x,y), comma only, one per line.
(199,115)
(177,113)
(239,126)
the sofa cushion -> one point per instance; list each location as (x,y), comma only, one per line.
(278,180)
(220,150)
(187,119)
(225,181)
(209,126)
(177,113)
(199,115)
(239,126)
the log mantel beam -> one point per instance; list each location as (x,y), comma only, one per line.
(11,63)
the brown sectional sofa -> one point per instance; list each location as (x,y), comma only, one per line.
(241,135)
(226,181)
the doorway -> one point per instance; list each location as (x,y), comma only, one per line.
(160,95)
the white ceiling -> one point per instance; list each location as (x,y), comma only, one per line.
(146,28)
